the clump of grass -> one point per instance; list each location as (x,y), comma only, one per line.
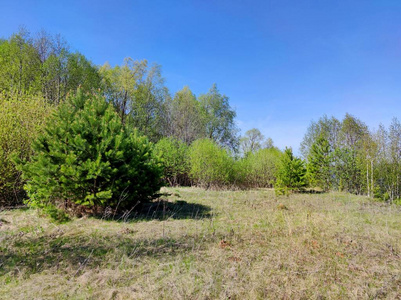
(209,245)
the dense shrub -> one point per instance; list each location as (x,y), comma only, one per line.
(259,169)
(210,165)
(174,157)
(87,157)
(21,119)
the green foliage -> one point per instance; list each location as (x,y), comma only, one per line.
(138,93)
(327,128)
(291,175)
(219,118)
(210,165)
(21,119)
(185,119)
(259,169)
(252,141)
(82,73)
(174,157)
(318,166)
(347,170)
(352,133)
(44,66)
(87,157)
(19,66)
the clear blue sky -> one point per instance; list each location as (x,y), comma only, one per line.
(282,63)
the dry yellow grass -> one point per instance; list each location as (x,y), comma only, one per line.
(209,245)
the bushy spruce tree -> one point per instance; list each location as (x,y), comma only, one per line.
(89,158)
(291,175)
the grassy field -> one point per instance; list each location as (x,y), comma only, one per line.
(201,244)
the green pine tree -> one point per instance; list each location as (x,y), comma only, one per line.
(89,158)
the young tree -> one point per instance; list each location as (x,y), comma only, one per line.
(87,157)
(319,164)
(291,175)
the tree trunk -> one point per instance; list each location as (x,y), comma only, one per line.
(371,178)
(367,178)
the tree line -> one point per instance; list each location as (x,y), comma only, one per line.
(69,129)
(39,74)
(345,155)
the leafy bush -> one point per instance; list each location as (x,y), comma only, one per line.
(174,156)
(87,157)
(21,119)
(291,175)
(259,169)
(210,165)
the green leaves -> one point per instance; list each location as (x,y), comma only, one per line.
(210,165)
(21,119)
(174,157)
(219,118)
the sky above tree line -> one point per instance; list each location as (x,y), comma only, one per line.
(281,63)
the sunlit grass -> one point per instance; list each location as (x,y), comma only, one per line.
(207,245)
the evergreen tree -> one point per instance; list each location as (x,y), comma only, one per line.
(89,158)
(318,166)
(292,174)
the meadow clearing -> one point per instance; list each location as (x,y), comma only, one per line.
(204,244)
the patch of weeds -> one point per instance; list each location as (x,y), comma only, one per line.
(57,215)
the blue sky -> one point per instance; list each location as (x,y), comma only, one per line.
(282,63)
